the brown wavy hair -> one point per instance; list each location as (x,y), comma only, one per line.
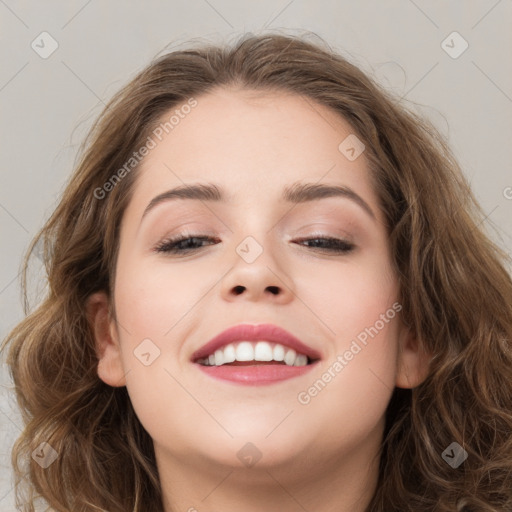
(455,291)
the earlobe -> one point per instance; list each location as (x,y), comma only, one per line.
(106,339)
(413,362)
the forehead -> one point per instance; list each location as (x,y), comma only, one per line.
(253,142)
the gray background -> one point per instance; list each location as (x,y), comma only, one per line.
(47,105)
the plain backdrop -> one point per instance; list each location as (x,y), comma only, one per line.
(48,102)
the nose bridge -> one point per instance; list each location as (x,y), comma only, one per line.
(257,270)
(255,232)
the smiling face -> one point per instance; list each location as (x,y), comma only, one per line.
(257,151)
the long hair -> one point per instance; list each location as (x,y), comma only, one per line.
(455,291)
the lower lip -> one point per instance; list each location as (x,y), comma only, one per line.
(256,375)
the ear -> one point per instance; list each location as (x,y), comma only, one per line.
(413,361)
(110,367)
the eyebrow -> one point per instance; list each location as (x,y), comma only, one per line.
(296,193)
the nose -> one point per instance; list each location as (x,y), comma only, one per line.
(260,280)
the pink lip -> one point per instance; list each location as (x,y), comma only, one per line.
(248,332)
(256,375)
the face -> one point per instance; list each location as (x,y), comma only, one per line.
(320,268)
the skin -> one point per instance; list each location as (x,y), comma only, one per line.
(322,455)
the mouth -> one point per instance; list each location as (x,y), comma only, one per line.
(249,354)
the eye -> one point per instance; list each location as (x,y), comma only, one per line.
(329,244)
(182,244)
(188,243)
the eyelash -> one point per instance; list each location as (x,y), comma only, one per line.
(171,245)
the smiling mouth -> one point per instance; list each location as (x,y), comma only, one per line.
(259,353)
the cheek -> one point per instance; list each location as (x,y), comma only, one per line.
(151,305)
(151,299)
(349,395)
(347,298)
(359,310)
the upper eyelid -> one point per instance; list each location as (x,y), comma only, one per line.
(192,233)
(331,214)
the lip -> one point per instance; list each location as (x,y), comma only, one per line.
(256,375)
(249,332)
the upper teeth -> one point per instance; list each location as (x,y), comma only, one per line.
(254,351)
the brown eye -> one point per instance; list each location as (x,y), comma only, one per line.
(182,244)
(329,244)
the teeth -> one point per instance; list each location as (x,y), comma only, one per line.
(219,357)
(290,356)
(278,353)
(229,354)
(244,352)
(301,360)
(254,351)
(263,351)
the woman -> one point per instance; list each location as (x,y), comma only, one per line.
(268,290)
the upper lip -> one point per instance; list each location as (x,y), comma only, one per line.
(249,332)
